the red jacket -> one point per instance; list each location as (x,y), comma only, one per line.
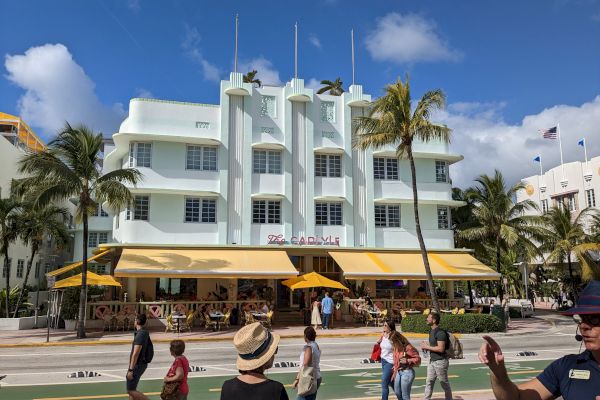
(412,357)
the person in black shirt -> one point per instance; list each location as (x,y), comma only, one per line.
(137,360)
(256,348)
(438,360)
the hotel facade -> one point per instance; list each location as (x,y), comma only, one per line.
(264,186)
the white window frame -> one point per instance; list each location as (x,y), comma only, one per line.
(327,208)
(92,240)
(544,203)
(266,212)
(330,168)
(388,170)
(130,212)
(202,150)
(102,237)
(206,210)
(388,221)
(443,219)
(134,155)
(20,268)
(439,177)
(272,161)
(590,198)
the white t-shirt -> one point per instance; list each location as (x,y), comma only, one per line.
(387,350)
(316,358)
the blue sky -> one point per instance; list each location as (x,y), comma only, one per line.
(508,68)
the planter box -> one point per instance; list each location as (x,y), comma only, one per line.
(70,324)
(17,324)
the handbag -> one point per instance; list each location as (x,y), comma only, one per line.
(376,353)
(307,384)
(170,391)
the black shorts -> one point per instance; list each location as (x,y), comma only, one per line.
(138,371)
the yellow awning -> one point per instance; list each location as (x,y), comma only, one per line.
(70,267)
(200,263)
(92,279)
(409,265)
(312,280)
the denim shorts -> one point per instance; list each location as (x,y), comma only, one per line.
(138,371)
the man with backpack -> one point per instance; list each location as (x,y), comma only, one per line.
(438,344)
(142,352)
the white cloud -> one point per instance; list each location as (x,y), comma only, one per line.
(134,5)
(314,40)
(488,142)
(267,74)
(144,93)
(191,47)
(408,38)
(57,89)
(313,84)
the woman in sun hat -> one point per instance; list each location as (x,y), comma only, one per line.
(256,348)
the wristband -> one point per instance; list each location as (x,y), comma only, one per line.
(130,370)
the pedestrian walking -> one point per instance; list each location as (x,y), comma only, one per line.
(506,308)
(310,357)
(406,357)
(387,357)
(439,341)
(327,307)
(315,318)
(141,354)
(256,348)
(175,382)
(574,376)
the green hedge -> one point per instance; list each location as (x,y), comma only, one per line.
(463,323)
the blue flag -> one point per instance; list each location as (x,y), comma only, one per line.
(538,159)
(581,142)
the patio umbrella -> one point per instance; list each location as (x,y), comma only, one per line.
(92,279)
(311,280)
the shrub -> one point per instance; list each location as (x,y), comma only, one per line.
(464,323)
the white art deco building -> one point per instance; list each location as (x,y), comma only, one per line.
(266,184)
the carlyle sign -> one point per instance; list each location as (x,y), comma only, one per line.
(304,240)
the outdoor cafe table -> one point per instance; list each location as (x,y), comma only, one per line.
(217,316)
(259,315)
(413,312)
(178,318)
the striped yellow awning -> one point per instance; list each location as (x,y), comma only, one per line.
(70,267)
(409,265)
(201,263)
(91,279)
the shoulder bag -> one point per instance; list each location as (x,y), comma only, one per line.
(307,384)
(170,390)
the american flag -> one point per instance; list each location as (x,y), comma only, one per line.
(549,133)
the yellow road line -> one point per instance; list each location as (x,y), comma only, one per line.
(537,371)
(106,396)
(418,377)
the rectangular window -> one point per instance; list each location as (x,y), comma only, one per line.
(266,162)
(92,239)
(37,269)
(5,269)
(385,168)
(590,198)
(268,106)
(328,165)
(20,267)
(266,212)
(201,158)
(102,237)
(141,208)
(140,154)
(387,215)
(47,268)
(328,111)
(98,212)
(328,213)
(443,218)
(544,206)
(572,203)
(200,210)
(441,171)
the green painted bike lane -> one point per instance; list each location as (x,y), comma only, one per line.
(339,384)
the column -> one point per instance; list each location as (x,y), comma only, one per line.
(235,185)
(359,167)
(299,168)
(132,289)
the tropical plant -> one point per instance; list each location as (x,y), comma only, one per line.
(589,260)
(8,234)
(70,167)
(501,222)
(250,77)
(8,302)
(392,121)
(335,88)
(34,225)
(561,234)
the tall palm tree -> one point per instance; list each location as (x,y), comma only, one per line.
(392,121)
(70,167)
(334,88)
(8,234)
(590,265)
(562,233)
(34,225)
(250,77)
(501,222)
(463,218)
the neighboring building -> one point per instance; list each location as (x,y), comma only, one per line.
(269,171)
(575,185)
(16,138)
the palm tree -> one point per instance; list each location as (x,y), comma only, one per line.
(334,88)
(8,234)
(562,233)
(501,222)
(462,218)
(70,167)
(391,121)
(250,77)
(34,225)
(590,266)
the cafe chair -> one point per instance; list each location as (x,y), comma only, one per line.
(369,319)
(189,321)
(108,322)
(426,311)
(269,321)
(209,323)
(461,311)
(170,326)
(455,311)
(120,321)
(249,318)
(226,323)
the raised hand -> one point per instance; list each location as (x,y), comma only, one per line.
(491,355)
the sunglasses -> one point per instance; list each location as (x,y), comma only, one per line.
(590,319)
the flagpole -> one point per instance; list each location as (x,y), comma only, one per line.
(541,169)
(562,167)
(296,51)
(235,58)
(352,37)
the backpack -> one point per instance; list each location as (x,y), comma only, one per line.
(149,354)
(455,348)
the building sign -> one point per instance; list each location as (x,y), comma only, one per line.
(304,240)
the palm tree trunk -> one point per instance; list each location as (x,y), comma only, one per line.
(83,293)
(413,174)
(29,264)
(470,294)
(573,292)
(7,281)
(500,288)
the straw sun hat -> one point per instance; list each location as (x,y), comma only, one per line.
(255,346)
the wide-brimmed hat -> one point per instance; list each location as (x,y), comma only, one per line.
(588,302)
(255,346)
